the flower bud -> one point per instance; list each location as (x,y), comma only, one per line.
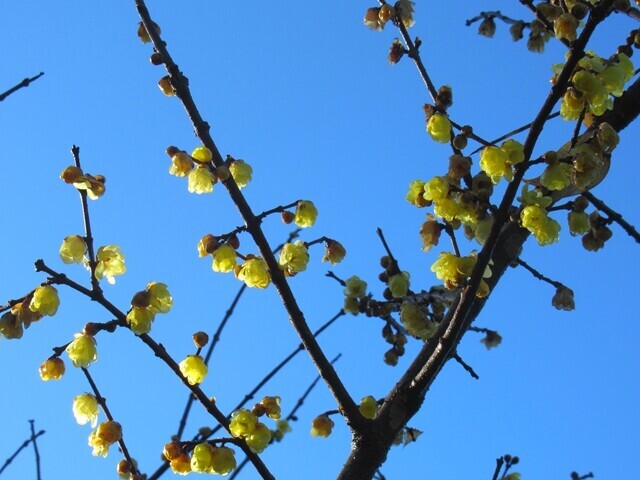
(200,339)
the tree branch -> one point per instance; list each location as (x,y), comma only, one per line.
(296,317)
(23,84)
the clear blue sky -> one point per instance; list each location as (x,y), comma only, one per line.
(306,96)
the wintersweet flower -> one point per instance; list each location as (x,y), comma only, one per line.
(52,369)
(207,245)
(194,369)
(439,127)
(104,436)
(259,438)
(321,426)
(11,326)
(202,458)
(181,164)
(224,461)
(85,409)
(406,12)
(306,214)
(399,284)
(334,252)
(181,464)
(436,189)
(73,249)
(415,195)
(201,180)
(368,407)
(94,186)
(224,258)
(493,161)
(355,287)
(140,319)
(45,300)
(202,154)
(82,350)
(110,262)
(241,172)
(416,322)
(254,273)
(243,423)
(294,257)
(160,300)
(272,407)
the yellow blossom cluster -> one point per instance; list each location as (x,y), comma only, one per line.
(146,304)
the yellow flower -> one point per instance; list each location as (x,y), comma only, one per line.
(272,407)
(241,172)
(160,300)
(439,127)
(321,426)
(254,273)
(85,409)
(306,213)
(259,438)
(436,189)
(140,319)
(45,300)
(494,162)
(194,369)
(104,436)
(399,284)
(110,262)
(11,326)
(73,249)
(202,154)
(294,257)
(224,461)
(202,458)
(355,287)
(181,164)
(82,350)
(201,180)
(243,423)
(52,369)
(416,323)
(224,258)
(207,245)
(181,464)
(94,186)
(368,407)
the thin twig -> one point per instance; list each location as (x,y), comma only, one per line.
(35,449)
(537,274)
(465,365)
(414,54)
(24,83)
(103,403)
(515,132)
(499,463)
(613,215)
(24,445)
(88,237)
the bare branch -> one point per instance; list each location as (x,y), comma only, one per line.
(23,84)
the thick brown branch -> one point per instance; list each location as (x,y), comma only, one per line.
(180,84)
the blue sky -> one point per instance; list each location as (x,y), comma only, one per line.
(306,96)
